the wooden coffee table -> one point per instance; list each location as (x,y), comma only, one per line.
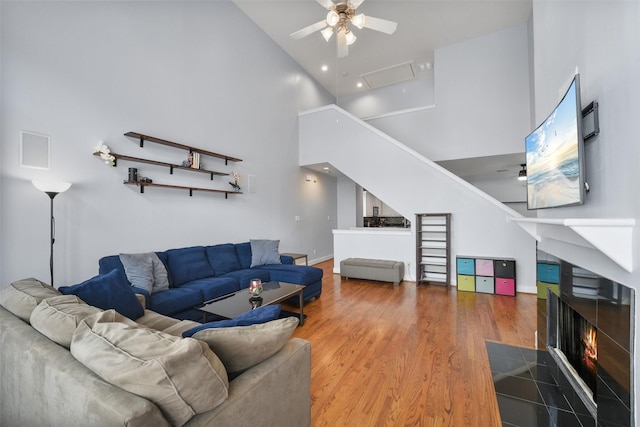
(233,305)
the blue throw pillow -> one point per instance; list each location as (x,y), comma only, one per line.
(263,314)
(108,291)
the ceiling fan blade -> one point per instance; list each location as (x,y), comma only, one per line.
(355,3)
(379,24)
(327,4)
(343,48)
(308,30)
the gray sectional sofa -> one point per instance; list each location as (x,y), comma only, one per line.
(44,383)
(201,273)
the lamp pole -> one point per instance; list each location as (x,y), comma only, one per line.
(51,195)
(52,189)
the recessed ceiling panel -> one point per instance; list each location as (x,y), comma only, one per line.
(390,75)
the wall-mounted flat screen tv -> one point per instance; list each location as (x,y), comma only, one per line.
(555,155)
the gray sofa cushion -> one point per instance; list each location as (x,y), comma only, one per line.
(58,317)
(180,375)
(241,347)
(22,297)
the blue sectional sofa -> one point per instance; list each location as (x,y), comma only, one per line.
(200,273)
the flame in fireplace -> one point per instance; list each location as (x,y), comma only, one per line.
(590,354)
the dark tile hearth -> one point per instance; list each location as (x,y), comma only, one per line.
(532,391)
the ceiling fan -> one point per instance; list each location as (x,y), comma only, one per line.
(340,14)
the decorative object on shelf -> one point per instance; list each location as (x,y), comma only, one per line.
(105,153)
(236,181)
(52,189)
(133,174)
(255,287)
(146,180)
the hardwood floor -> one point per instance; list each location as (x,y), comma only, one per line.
(407,355)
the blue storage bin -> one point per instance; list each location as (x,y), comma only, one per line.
(466,266)
(549,273)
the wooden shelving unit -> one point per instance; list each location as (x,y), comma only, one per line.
(171,166)
(142,138)
(142,185)
(433,249)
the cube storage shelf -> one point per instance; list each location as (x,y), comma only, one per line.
(486,275)
(548,274)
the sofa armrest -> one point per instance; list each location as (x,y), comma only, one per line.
(142,299)
(275,392)
(142,295)
(286,259)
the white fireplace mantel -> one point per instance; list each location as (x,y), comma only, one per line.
(613,237)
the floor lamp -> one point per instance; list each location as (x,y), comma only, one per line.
(52,189)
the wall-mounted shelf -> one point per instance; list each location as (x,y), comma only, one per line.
(611,236)
(141,138)
(180,187)
(171,166)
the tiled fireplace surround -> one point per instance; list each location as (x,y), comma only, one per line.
(608,306)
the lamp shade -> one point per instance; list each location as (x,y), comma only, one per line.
(522,175)
(327,33)
(332,18)
(358,20)
(350,38)
(51,186)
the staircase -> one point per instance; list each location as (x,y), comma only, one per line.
(411,183)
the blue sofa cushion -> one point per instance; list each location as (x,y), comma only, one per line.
(243,250)
(223,258)
(188,264)
(108,291)
(263,314)
(214,287)
(300,274)
(264,252)
(245,276)
(175,300)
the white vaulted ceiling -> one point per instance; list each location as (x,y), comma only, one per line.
(423,25)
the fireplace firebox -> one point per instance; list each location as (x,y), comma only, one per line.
(585,322)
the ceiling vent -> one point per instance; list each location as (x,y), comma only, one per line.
(390,75)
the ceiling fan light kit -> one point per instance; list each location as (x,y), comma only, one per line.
(339,15)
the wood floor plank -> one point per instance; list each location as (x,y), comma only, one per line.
(407,355)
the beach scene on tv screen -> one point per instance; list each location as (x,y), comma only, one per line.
(553,164)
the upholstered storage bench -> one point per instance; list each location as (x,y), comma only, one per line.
(372,269)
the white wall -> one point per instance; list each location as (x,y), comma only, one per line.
(85,71)
(601,39)
(348,195)
(479,222)
(482,101)
(407,95)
